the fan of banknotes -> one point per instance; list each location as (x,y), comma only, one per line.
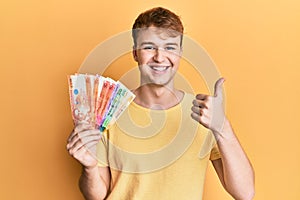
(97,100)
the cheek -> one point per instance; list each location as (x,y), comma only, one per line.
(144,58)
(140,56)
(175,60)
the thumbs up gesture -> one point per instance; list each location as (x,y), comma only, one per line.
(208,110)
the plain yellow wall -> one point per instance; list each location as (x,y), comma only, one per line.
(255,45)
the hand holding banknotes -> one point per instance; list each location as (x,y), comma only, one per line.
(96,103)
(82,144)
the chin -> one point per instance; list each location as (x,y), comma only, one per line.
(160,83)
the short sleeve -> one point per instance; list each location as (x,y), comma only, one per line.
(102,150)
(215,153)
(209,147)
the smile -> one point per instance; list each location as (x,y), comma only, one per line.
(159,69)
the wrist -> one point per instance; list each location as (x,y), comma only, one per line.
(89,169)
(225,132)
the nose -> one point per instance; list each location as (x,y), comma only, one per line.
(159,55)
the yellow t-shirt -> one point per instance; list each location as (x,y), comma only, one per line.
(157,154)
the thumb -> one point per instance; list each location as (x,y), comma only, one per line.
(218,87)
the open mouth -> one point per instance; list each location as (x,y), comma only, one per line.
(159,68)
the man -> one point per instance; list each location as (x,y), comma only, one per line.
(131,162)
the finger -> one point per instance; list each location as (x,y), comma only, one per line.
(80,153)
(74,148)
(79,128)
(85,156)
(200,111)
(201,119)
(196,117)
(83,126)
(87,142)
(88,146)
(201,96)
(84,136)
(196,109)
(91,144)
(84,139)
(218,87)
(71,135)
(200,104)
(88,133)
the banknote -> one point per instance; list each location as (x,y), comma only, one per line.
(122,102)
(97,100)
(82,98)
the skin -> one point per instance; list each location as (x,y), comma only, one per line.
(94,180)
(158,57)
(234,169)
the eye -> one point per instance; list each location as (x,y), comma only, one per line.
(170,48)
(149,47)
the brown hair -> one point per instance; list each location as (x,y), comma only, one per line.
(158,17)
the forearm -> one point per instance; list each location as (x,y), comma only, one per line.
(92,185)
(237,170)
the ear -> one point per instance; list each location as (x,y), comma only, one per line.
(181,51)
(134,53)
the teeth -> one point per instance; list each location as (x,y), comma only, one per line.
(159,68)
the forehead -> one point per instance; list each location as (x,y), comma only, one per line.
(158,36)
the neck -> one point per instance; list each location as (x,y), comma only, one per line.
(157,97)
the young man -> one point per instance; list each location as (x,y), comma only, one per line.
(159,149)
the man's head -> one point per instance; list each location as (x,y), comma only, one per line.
(160,18)
(157,35)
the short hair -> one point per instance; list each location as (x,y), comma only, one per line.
(161,18)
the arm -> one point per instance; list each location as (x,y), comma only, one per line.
(94,181)
(234,169)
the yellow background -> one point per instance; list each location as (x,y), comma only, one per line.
(255,45)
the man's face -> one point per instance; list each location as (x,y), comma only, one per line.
(158,56)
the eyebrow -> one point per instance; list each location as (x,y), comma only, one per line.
(172,43)
(151,43)
(145,43)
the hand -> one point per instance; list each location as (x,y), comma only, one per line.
(208,110)
(82,144)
